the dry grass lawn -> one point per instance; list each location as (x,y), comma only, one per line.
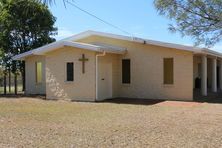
(27,122)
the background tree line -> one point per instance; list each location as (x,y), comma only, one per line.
(24,25)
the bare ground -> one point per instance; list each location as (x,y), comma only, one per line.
(28,122)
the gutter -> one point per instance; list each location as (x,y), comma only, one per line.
(98,55)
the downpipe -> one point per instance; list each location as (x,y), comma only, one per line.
(97,56)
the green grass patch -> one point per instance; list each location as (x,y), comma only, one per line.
(19,89)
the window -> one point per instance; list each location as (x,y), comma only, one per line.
(38,72)
(126,71)
(168,70)
(69,71)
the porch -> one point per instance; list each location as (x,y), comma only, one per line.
(207,77)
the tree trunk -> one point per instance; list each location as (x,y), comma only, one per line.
(9,80)
(4,83)
(23,76)
(15,83)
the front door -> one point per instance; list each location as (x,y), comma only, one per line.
(104,80)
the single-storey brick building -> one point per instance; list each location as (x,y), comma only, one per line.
(93,66)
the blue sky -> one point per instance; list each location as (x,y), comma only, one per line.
(137,17)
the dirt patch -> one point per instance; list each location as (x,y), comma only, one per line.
(179,104)
(28,122)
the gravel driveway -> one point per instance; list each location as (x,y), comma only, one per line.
(28,122)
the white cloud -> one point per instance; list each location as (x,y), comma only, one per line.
(63,33)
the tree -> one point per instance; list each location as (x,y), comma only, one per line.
(24,25)
(1,76)
(200,19)
(50,2)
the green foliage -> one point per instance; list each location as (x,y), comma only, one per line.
(1,72)
(50,2)
(24,25)
(200,19)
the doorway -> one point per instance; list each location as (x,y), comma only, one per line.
(104,79)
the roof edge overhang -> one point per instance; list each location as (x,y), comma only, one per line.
(59,44)
(72,41)
(209,52)
(55,45)
(143,41)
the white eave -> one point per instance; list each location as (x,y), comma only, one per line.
(211,52)
(195,50)
(59,44)
(73,42)
(111,48)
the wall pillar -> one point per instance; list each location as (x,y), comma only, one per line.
(220,75)
(214,75)
(204,75)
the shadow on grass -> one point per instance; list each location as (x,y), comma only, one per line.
(13,96)
(209,100)
(132,101)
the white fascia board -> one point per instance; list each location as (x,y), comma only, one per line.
(47,48)
(63,43)
(82,45)
(22,56)
(36,51)
(174,46)
(212,52)
(55,45)
(133,39)
(96,33)
(71,42)
(113,50)
(195,50)
(78,36)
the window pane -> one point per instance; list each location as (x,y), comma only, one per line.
(38,72)
(168,70)
(125,71)
(70,71)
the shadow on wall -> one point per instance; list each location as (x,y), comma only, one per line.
(55,90)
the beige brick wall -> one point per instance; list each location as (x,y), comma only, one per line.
(31,86)
(147,71)
(83,88)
